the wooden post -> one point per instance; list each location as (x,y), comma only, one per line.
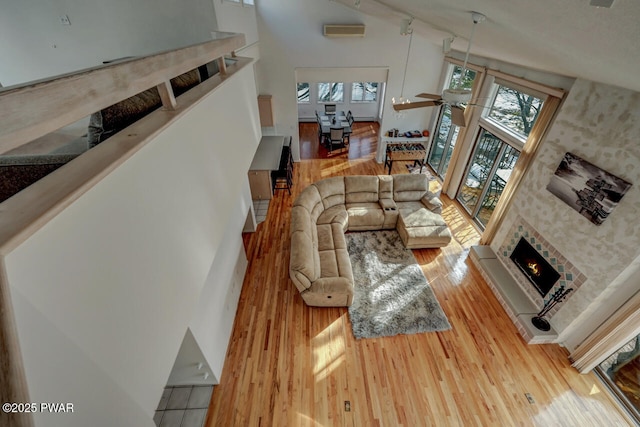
(12,375)
(222,66)
(167,96)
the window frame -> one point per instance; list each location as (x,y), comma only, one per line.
(331,86)
(509,135)
(244,3)
(364,91)
(308,101)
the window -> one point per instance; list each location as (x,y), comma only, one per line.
(503,133)
(487,174)
(330,92)
(303,93)
(467,81)
(364,92)
(620,373)
(243,2)
(515,110)
(446,134)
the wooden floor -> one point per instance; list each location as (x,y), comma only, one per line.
(293,365)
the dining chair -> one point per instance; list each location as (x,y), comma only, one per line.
(321,136)
(336,138)
(350,119)
(282,179)
(329,108)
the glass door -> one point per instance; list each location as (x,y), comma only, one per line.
(621,372)
(445,141)
(491,165)
(504,130)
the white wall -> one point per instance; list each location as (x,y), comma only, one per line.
(103,293)
(34,44)
(236,18)
(601,124)
(291,37)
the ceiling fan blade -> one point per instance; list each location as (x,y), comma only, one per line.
(429,95)
(411,105)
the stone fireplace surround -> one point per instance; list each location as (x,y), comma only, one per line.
(517,295)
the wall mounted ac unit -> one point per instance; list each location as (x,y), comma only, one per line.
(344,30)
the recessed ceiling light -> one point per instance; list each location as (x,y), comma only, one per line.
(601,3)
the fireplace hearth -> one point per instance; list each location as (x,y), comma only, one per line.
(539,272)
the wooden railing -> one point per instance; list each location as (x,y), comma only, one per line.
(33,110)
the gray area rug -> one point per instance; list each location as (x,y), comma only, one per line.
(391,294)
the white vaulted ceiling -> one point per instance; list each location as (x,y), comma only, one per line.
(566,37)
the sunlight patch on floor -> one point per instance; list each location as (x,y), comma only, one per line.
(338,169)
(329,347)
(305,420)
(597,411)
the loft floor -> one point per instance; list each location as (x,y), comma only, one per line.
(293,365)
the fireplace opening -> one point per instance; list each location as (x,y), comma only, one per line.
(539,272)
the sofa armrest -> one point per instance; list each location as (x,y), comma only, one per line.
(432,202)
(342,285)
(388,204)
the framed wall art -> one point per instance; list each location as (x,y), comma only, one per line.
(591,191)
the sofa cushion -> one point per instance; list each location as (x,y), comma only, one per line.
(408,207)
(421,217)
(302,263)
(432,202)
(335,214)
(332,248)
(385,186)
(365,216)
(409,187)
(311,200)
(359,189)
(331,191)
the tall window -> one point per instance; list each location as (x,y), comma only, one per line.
(330,92)
(515,110)
(303,93)
(503,133)
(364,92)
(446,133)
(467,80)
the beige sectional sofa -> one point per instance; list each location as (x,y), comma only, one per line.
(325,210)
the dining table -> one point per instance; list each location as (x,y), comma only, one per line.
(327,122)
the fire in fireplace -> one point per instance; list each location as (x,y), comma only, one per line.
(539,272)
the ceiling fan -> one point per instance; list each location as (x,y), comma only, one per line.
(454,97)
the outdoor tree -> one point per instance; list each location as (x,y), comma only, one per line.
(516,110)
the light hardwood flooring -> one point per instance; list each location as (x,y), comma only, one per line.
(293,365)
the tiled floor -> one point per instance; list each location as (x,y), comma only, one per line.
(183,406)
(260,208)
